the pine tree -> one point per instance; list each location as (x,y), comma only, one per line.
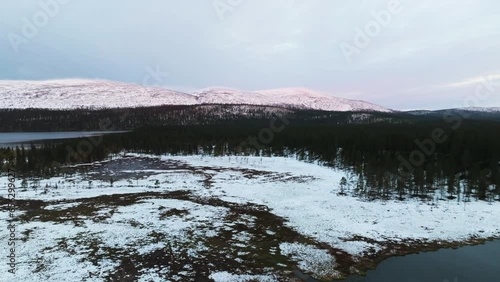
(343,184)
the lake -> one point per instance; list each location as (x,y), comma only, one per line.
(465,264)
(9,139)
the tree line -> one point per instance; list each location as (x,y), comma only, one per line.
(384,156)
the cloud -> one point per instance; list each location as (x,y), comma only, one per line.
(474,81)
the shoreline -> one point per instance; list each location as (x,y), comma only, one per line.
(394,250)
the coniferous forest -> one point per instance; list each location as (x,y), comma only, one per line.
(384,155)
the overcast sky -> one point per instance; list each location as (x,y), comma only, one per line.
(415,54)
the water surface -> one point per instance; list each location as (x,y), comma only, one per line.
(9,139)
(465,264)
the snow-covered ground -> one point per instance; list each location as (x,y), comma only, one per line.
(313,207)
(171,218)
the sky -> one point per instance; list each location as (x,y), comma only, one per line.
(401,54)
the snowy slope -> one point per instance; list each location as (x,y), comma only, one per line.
(221,95)
(317,100)
(70,94)
(78,93)
(291,97)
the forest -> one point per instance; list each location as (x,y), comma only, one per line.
(384,155)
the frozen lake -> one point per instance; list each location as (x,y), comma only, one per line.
(15,138)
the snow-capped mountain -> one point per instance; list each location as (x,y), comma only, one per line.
(221,95)
(318,100)
(291,97)
(79,93)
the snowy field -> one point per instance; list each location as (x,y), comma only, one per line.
(186,218)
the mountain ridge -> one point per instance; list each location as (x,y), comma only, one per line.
(104,94)
(85,93)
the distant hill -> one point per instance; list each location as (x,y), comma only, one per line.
(78,93)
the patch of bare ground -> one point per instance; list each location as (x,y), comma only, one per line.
(249,244)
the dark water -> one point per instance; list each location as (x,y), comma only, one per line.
(16,138)
(479,263)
